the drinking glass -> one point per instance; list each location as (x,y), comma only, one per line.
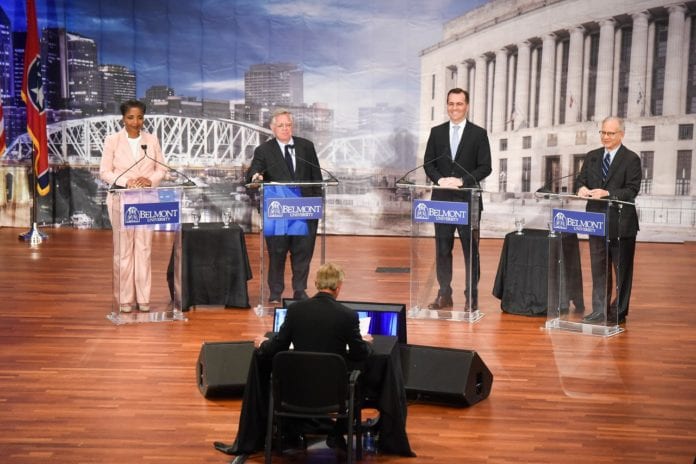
(226,218)
(519,225)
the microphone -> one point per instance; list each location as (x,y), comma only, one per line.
(188,183)
(403,179)
(114,186)
(251,180)
(333,178)
(546,188)
(466,171)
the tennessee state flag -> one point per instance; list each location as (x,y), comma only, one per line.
(33,96)
(3,139)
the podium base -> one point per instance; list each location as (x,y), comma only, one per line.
(34,236)
(137,317)
(447,315)
(581,327)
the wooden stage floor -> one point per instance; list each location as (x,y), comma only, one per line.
(74,388)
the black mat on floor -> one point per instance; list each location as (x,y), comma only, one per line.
(394,270)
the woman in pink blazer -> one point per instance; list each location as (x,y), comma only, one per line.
(125,165)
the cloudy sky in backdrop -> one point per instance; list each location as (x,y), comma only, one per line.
(353,53)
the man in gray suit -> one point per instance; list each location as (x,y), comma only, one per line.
(611,172)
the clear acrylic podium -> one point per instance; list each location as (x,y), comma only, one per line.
(423,277)
(157,211)
(289,208)
(565,220)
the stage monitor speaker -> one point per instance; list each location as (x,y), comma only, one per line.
(445,375)
(222,368)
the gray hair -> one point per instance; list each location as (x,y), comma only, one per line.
(619,120)
(280,112)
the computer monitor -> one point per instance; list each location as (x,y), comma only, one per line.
(384,318)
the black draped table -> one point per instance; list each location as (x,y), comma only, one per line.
(214,266)
(383,387)
(521,283)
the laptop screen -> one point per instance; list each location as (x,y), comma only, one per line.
(375,318)
(278,318)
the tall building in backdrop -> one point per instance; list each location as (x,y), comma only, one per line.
(543,73)
(274,84)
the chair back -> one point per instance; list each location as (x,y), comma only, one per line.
(310,383)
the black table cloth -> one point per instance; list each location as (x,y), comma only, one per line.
(214,266)
(383,387)
(521,283)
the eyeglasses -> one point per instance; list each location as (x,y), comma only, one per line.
(283,125)
(608,134)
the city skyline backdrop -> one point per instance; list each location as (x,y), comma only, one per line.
(347,52)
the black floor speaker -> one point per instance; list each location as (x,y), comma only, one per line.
(222,368)
(445,375)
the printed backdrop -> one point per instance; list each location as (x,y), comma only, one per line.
(211,72)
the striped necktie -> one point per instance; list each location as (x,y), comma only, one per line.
(605,166)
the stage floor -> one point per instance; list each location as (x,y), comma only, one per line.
(75,388)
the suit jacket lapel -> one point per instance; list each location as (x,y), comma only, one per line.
(280,158)
(467,129)
(299,162)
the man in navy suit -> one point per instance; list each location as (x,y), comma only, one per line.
(611,172)
(287,159)
(457,155)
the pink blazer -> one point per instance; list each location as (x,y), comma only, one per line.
(117,158)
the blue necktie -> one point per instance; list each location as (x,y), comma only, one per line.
(454,141)
(288,159)
(605,166)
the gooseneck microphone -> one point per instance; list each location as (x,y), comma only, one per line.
(114,185)
(187,183)
(546,188)
(404,180)
(466,171)
(333,178)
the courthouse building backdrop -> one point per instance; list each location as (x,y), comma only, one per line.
(366,81)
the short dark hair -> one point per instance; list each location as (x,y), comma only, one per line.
(458,90)
(128,104)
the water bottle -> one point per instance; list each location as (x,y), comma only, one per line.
(369,445)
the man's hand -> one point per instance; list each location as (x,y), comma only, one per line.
(259,340)
(450,182)
(257,177)
(594,193)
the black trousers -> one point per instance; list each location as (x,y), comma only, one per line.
(444,243)
(608,261)
(301,249)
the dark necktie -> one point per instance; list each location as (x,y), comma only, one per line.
(605,166)
(288,159)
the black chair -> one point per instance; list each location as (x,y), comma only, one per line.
(307,385)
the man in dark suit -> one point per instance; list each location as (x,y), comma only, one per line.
(318,324)
(457,155)
(321,324)
(287,159)
(611,172)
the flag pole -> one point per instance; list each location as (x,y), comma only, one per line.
(33,96)
(34,236)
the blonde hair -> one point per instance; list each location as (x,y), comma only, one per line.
(329,276)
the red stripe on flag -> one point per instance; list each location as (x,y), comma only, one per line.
(33,96)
